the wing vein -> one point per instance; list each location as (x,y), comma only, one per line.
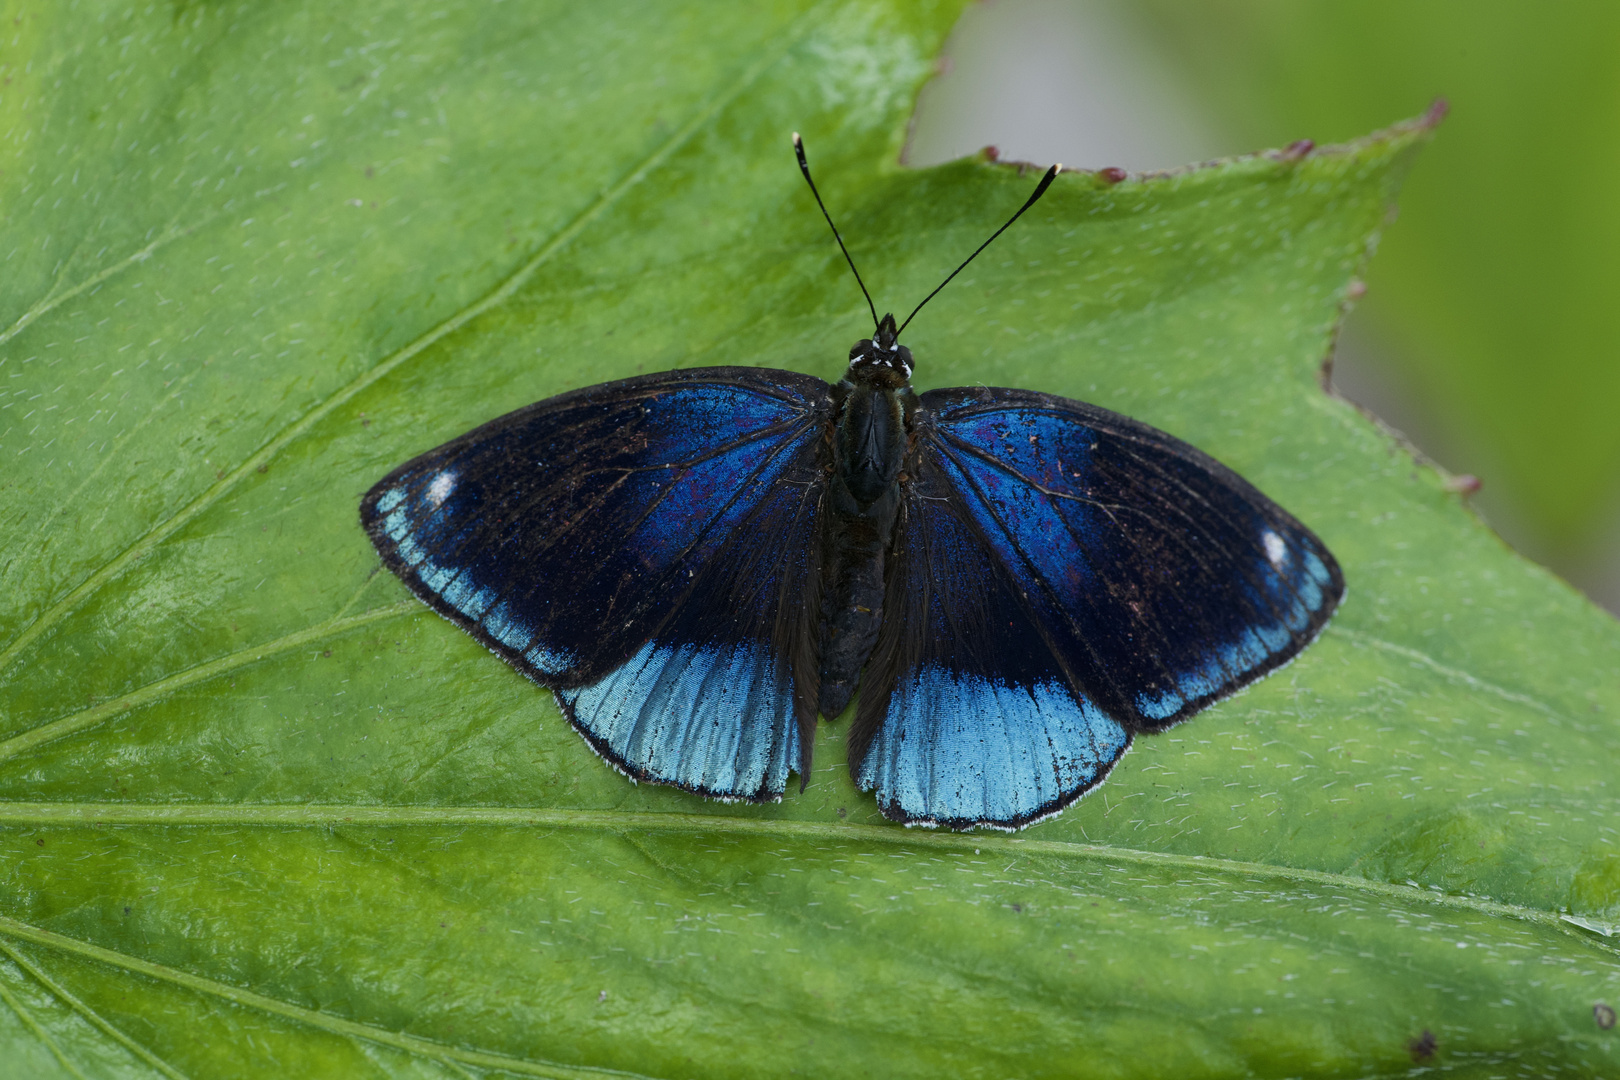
(1022,599)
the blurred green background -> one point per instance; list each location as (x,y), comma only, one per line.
(1490,334)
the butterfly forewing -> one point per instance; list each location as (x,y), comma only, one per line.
(645,548)
(1145,578)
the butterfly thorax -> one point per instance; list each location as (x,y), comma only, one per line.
(875,403)
(874,406)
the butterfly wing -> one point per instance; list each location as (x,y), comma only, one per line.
(648,549)
(1066,577)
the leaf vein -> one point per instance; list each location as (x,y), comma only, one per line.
(107,1028)
(38,1029)
(53,300)
(328,815)
(74,722)
(1452,674)
(336,1025)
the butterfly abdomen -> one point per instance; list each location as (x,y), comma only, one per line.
(870,444)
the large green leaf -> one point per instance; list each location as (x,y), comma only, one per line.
(265,815)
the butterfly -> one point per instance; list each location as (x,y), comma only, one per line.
(699,563)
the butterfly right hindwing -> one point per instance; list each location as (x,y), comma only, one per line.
(967,716)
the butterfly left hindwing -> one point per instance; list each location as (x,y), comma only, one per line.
(1066,576)
(646,548)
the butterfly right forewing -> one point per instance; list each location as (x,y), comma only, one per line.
(1064,577)
(1164,579)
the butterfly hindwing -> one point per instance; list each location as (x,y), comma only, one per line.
(1093,576)
(647,548)
(967,716)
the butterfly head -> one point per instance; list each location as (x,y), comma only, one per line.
(880,358)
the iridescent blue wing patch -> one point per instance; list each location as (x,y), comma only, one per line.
(648,549)
(1065,577)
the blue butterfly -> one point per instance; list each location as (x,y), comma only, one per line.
(700,562)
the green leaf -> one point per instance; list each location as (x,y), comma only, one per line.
(265,815)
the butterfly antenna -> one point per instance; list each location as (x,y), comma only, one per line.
(1040,189)
(804,167)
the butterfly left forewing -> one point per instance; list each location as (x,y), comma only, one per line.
(642,547)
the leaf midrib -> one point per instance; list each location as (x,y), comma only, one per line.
(330,815)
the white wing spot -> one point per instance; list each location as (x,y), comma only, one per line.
(1276,550)
(442,485)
